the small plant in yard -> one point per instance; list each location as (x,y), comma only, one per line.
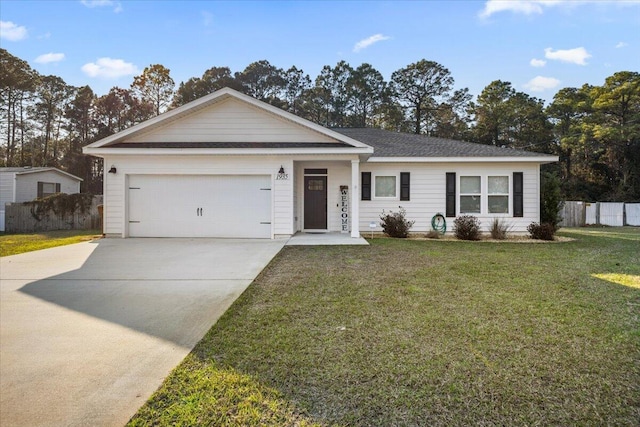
(466,227)
(499,229)
(433,234)
(395,224)
(544,231)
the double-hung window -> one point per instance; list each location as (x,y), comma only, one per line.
(498,194)
(385,186)
(470,194)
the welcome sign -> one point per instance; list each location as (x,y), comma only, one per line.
(344,208)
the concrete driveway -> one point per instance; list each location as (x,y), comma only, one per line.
(89,331)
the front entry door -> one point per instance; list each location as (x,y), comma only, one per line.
(315,202)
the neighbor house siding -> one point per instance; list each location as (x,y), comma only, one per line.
(27,184)
(116,191)
(231,121)
(7,180)
(428,193)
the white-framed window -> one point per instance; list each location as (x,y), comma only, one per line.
(386,186)
(470,194)
(498,194)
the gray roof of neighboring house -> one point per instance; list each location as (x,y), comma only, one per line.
(395,144)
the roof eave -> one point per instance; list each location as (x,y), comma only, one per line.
(492,159)
(55,170)
(106,151)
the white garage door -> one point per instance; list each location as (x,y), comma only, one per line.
(200,206)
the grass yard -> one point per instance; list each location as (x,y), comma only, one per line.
(13,244)
(428,333)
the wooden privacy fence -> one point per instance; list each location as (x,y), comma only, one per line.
(27,218)
(578,214)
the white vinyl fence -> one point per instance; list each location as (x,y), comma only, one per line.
(577,214)
(633,213)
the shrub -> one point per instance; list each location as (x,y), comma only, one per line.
(466,227)
(395,224)
(499,229)
(550,200)
(544,231)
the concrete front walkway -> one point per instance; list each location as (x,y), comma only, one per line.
(89,331)
(321,239)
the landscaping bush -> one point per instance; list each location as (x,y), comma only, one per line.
(544,231)
(395,224)
(466,227)
(551,202)
(499,229)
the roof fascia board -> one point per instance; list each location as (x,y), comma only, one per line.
(208,99)
(536,159)
(106,151)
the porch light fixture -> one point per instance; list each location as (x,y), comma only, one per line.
(113,169)
(281,171)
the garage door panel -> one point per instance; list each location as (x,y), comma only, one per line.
(200,206)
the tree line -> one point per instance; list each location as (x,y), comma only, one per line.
(595,130)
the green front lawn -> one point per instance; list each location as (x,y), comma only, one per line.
(12,244)
(424,333)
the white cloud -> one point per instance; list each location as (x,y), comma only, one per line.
(363,44)
(530,7)
(537,62)
(540,84)
(207,18)
(117,6)
(12,32)
(49,57)
(493,6)
(621,44)
(109,68)
(579,55)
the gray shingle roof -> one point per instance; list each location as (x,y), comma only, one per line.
(395,144)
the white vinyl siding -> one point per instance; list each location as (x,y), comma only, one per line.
(428,193)
(231,120)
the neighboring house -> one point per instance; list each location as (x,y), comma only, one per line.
(227,165)
(28,183)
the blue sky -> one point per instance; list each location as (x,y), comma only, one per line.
(538,46)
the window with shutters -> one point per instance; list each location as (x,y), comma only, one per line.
(486,194)
(470,194)
(498,194)
(385,186)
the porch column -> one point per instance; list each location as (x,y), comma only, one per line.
(355,198)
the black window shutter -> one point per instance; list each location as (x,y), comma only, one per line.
(57,187)
(40,189)
(405,180)
(518,199)
(366,185)
(451,195)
